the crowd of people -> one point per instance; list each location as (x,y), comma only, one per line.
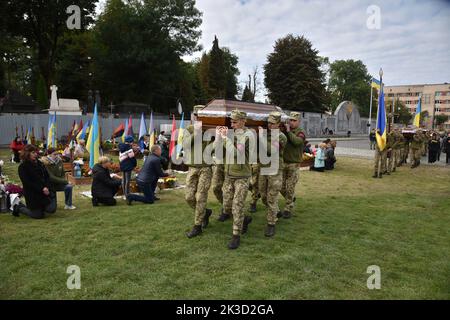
(410,147)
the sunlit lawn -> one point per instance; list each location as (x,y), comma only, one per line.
(344,222)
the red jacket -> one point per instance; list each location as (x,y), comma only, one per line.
(16,146)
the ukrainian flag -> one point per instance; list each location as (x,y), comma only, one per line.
(180,136)
(381,122)
(418,111)
(51,135)
(83,132)
(151,131)
(376,83)
(93,144)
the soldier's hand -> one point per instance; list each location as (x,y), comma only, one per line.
(224,132)
(288,127)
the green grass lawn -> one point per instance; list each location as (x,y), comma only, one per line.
(344,222)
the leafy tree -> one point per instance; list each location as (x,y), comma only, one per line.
(440,119)
(41,93)
(41,24)
(293,77)
(145,65)
(402,115)
(350,80)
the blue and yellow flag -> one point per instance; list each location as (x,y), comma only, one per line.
(151,131)
(375,84)
(418,111)
(93,143)
(51,135)
(180,135)
(381,122)
(82,134)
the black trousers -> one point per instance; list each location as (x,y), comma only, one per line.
(39,213)
(106,201)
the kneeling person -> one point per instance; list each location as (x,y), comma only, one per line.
(147,178)
(104,187)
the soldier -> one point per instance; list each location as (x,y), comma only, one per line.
(198,180)
(217,184)
(401,148)
(235,186)
(292,157)
(416,149)
(394,150)
(270,185)
(254,186)
(380,160)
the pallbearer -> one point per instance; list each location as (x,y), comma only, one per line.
(270,185)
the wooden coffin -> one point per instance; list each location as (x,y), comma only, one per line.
(218,111)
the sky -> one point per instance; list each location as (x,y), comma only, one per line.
(411,42)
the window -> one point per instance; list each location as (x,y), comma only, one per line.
(437,109)
(427,99)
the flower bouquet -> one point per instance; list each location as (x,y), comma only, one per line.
(167,183)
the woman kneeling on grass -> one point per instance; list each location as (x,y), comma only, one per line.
(104,187)
(36,185)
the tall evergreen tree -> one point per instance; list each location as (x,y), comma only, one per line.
(216,71)
(293,77)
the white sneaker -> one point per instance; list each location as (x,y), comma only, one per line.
(66,207)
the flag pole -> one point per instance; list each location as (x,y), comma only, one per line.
(370,108)
(378,111)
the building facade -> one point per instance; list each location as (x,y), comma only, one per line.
(435,99)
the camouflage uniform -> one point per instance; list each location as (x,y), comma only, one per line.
(416,150)
(254,183)
(380,157)
(198,180)
(217,181)
(292,157)
(236,183)
(270,185)
(394,154)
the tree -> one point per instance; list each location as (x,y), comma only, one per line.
(402,115)
(216,71)
(349,80)
(41,93)
(293,77)
(145,65)
(247,95)
(41,24)
(440,119)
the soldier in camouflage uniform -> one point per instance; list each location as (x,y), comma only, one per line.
(401,148)
(416,149)
(380,160)
(235,186)
(217,184)
(198,180)
(292,157)
(394,151)
(254,186)
(270,185)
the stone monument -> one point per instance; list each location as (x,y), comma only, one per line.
(63,106)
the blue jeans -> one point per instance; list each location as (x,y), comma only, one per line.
(68,194)
(149,192)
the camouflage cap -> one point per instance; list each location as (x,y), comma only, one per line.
(274,117)
(238,115)
(294,115)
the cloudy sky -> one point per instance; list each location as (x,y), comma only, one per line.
(412,44)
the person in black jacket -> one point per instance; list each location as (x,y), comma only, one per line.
(147,178)
(127,163)
(104,187)
(36,185)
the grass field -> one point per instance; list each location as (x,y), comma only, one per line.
(344,222)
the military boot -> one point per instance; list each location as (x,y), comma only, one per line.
(270,230)
(234,242)
(279,214)
(287,214)
(247,221)
(224,216)
(375,175)
(252,207)
(208,213)
(196,230)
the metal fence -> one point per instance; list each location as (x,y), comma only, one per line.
(9,122)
